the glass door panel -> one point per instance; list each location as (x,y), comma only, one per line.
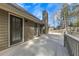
(15,29)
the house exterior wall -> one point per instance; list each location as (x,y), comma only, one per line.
(3,30)
(29,30)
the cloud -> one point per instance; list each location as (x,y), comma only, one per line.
(33,8)
(52,9)
(37,11)
(49,6)
(34,4)
(25,6)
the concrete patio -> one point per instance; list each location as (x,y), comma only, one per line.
(45,45)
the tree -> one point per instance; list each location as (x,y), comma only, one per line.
(64,15)
(75,13)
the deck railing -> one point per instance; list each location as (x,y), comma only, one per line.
(72,44)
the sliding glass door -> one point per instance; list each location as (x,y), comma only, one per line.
(15,29)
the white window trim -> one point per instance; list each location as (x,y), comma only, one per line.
(9,30)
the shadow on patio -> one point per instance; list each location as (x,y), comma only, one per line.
(45,45)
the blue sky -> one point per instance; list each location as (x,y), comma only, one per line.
(37,8)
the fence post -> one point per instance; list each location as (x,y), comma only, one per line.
(77,48)
(65,40)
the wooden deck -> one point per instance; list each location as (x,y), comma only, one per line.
(45,45)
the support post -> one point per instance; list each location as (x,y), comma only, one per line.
(8,29)
(23,30)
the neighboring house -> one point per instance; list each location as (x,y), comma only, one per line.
(17,25)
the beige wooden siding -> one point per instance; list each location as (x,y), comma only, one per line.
(28,30)
(3,30)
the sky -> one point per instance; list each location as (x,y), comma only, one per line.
(37,8)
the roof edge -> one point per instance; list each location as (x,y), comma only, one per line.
(22,9)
